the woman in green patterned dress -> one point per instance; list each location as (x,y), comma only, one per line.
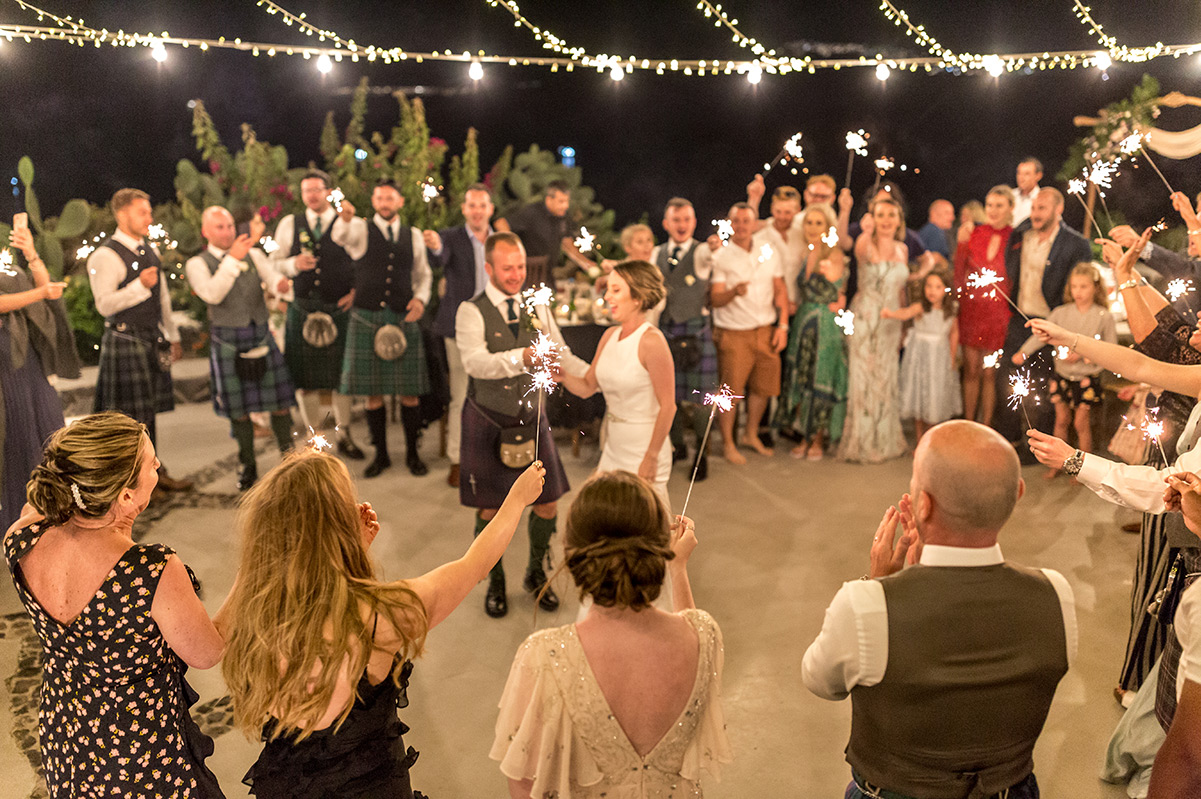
(813,399)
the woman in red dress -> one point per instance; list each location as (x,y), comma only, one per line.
(983,313)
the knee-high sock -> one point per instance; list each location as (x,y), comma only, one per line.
(281,426)
(341,404)
(243,430)
(310,409)
(410,418)
(377,427)
(498,571)
(541,531)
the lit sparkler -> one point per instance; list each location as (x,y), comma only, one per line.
(988,279)
(1134,143)
(1101,175)
(1160,226)
(336,197)
(1178,287)
(725,230)
(429,191)
(993,359)
(845,320)
(1019,389)
(268,244)
(1153,429)
(1077,187)
(765,253)
(157,234)
(722,400)
(544,355)
(1062,352)
(585,241)
(791,150)
(83,252)
(830,238)
(884,164)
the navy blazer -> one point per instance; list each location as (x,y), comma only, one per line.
(1068,249)
(457,260)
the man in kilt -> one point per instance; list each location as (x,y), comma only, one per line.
(495,335)
(392,280)
(140,339)
(245,365)
(686,265)
(312,252)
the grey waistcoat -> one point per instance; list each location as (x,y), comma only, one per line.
(244,304)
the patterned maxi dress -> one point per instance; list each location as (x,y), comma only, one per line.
(873,427)
(114,715)
(814,396)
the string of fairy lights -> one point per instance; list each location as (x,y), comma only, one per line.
(331,47)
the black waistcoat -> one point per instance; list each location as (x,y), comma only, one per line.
(148,312)
(383,277)
(333,277)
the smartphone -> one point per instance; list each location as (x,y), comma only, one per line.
(21,221)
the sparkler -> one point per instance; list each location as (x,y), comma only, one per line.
(845,320)
(765,253)
(722,400)
(1134,143)
(792,150)
(1101,175)
(993,359)
(336,197)
(830,238)
(988,279)
(1019,389)
(268,244)
(856,145)
(585,241)
(1153,429)
(1178,287)
(157,234)
(1077,187)
(429,191)
(545,355)
(725,229)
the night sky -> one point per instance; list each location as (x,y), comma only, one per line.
(96,120)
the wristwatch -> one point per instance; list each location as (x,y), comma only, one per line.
(1073,464)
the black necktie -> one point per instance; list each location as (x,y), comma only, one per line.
(391,235)
(512,318)
(317,230)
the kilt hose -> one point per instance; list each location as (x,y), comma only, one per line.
(693,384)
(364,374)
(130,380)
(484,480)
(314,368)
(235,398)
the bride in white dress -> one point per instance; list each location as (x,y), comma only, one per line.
(633,368)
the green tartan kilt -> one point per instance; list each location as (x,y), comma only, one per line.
(314,368)
(366,375)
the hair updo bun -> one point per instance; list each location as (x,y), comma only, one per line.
(617,541)
(87,463)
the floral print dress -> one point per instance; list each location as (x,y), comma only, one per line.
(114,715)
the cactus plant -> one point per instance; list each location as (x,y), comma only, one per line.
(50,234)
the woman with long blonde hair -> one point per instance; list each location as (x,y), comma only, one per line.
(318,648)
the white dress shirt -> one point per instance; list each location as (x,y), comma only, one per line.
(106,270)
(733,265)
(481,364)
(212,287)
(792,251)
(852,648)
(355,243)
(1142,487)
(285,233)
(1022,203)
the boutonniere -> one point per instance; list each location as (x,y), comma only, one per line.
(689,280)
(307,243)
(532,322)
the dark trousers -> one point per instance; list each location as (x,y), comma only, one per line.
(862,789)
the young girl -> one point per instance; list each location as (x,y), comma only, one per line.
(1075,389)
(929,382)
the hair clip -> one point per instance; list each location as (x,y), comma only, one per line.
(78,498)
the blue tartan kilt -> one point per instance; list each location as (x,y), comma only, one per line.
(130,380)
(235,398)
(314,368)
(693,383)
(484,480)
(364,374)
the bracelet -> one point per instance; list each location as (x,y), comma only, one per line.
(1133,283)
(1196,232)
(1075,341)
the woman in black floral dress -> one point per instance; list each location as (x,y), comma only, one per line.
(119,622)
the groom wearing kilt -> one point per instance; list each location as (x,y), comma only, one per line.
(140,339)
(494,334)
(312,253)
(245,366)
(392,281)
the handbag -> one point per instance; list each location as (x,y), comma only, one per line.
(319,330)
(685,352)
(517,447)
(1128,442)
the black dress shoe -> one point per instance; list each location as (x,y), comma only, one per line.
(377,466)
(702,468)
(348,448)
(679,453)
(416,466)
(495,602)
(247,475)
(549,600)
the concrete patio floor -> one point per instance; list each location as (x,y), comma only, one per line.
(777,538)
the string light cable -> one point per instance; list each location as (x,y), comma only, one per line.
(1117,51)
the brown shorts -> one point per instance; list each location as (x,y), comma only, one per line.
(746,359)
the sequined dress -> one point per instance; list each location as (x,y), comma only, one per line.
(556,728)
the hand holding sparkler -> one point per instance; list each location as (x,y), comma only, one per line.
(1184,494)
(856,145)
(1049,450)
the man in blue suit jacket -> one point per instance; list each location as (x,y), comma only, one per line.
(1040,255)
(460,253)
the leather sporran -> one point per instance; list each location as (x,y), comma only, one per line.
(251,366)
(517,447)
(390,343)
(162,352)
(319,330)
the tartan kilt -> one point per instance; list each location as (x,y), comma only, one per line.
(232,397)
(314,368)
(484,480)
(130,380)
(694,382)
(366,375)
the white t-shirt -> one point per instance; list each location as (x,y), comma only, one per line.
(758,268)
(1188,630)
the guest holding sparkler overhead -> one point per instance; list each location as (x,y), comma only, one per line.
(1169,264)
(496,335)
(813,396)
(1041,252)
(1075,388)
(634,370)
(873,428)
(983,313)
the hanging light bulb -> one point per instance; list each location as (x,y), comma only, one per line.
(475,71)
(754,74)
(324,65)
(1103,61)
(616,72)
(158,52)
(882,72)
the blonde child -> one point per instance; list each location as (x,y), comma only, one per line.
(929,382)
(1075,389)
